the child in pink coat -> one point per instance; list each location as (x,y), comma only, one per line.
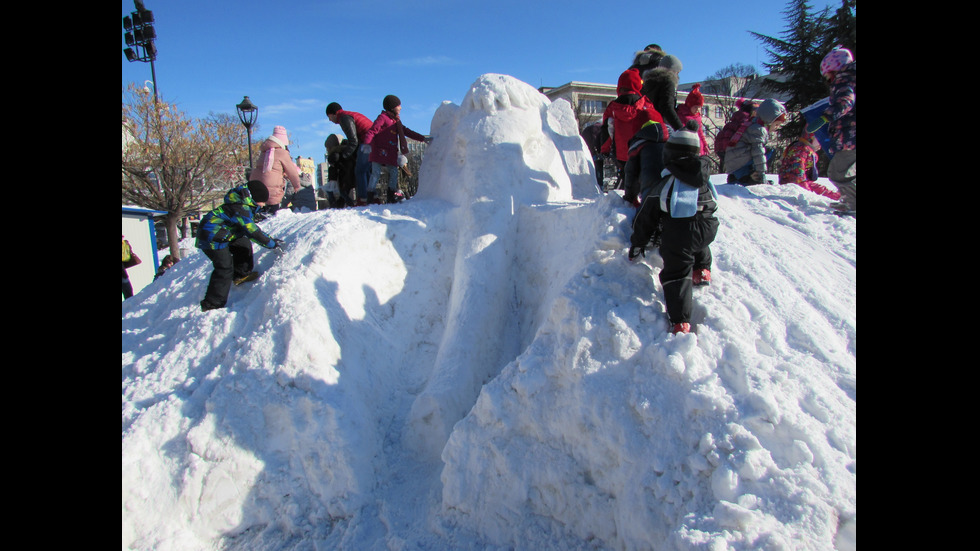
(275,164)
(692,110)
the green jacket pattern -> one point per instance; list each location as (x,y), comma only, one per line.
(232,220)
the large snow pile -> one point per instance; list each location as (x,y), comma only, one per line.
(481,368)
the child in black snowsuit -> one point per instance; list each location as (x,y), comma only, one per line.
(684,203)
(645,162)
(340,172)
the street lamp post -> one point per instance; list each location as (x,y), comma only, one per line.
(248,112)
(139,37)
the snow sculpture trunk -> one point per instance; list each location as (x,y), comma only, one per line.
(507,145)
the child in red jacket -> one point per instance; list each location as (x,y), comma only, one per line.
(624,117)
(691,109)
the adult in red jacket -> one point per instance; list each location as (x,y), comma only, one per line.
(625,116)
(387,139)
(355,127)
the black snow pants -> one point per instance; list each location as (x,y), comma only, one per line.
(684,248)
(230,263)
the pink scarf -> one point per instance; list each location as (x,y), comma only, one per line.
(270,155)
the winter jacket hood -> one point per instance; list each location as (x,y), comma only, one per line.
(629,82)
(770,110)
(271,143)
(660,87)
(646,59)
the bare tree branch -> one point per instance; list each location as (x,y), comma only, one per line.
(175,164)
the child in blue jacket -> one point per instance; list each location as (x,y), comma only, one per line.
(225,236)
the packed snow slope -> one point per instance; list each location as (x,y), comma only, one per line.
(482,368)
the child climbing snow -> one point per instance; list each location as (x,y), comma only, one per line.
(745,162)
(225,236)
(685,207)
(799,165)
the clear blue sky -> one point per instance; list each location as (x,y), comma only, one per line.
(293,57)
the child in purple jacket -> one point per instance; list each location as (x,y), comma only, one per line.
(840,69)
(389,148)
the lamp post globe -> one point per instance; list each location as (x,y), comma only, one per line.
(248,113)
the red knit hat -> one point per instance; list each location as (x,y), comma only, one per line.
(694,98)
(629,82)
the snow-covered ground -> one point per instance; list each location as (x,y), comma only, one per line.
(481,367)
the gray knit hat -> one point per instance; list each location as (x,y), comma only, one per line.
(685,140)
(770,110)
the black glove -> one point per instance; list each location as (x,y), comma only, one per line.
(281,247)
(636,251)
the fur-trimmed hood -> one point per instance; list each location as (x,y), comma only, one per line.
(660,87)
(660,76)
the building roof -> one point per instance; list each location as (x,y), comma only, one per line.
(748,87)
(140,211)
(744,87)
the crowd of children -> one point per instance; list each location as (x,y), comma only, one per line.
(660,151)
(665,171)
(356,162)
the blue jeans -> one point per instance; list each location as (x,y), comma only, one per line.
(376,169)
(749,167)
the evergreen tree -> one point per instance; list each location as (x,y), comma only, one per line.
(797,55)
(842,28)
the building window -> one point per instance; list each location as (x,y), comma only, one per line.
(719,112)
(593,106)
